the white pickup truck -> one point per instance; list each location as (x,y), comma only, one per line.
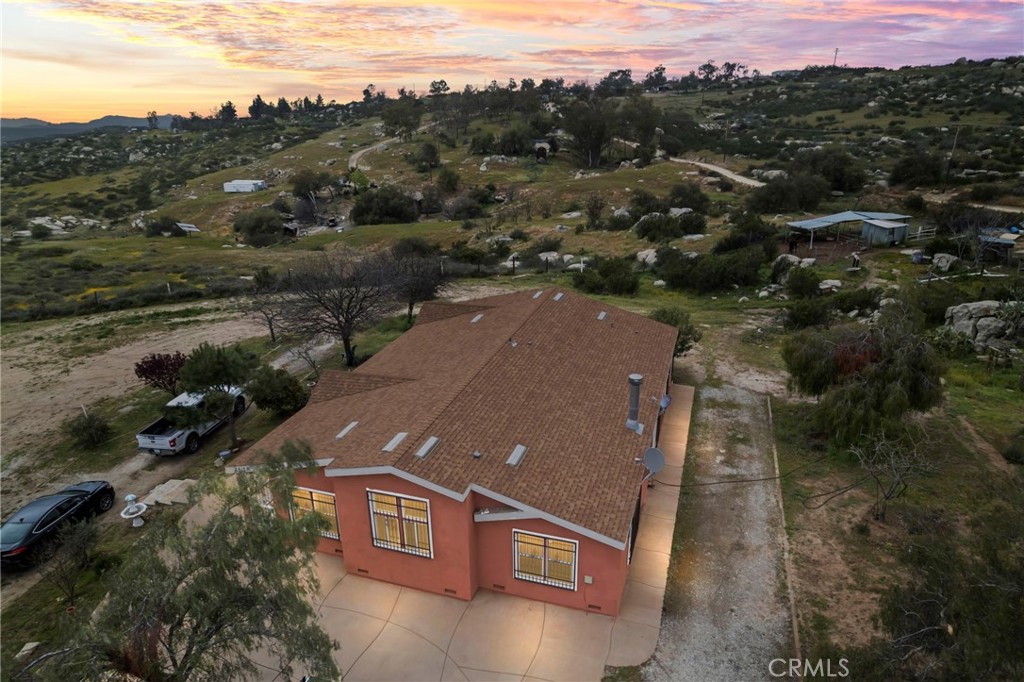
(165,438)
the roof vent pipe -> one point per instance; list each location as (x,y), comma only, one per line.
(632,422)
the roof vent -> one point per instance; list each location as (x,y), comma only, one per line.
(632,422)
(477,318)
(560,295)
(393,443)
(427,447)
(344,431)
(538,294)
(601,315)
(518,452)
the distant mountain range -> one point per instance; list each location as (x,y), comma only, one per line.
(19,129)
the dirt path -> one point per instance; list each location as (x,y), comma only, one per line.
(736,177)
(42,385)
(730,617)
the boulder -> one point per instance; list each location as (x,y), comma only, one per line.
(944,261)
(788,257)
(763,294)
(676,212)
(649,216)
(660,283)
(622,212)
(693,237)
(568,258)
(743,299)
(549,256)
(830,285)
(979,321)
(989,329)
(647,256)
(807,262)
(573,214)
(576,267)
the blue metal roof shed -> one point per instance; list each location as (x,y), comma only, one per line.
(814,224)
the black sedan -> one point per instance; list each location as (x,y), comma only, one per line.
(29,535)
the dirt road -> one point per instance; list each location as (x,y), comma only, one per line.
(735,177)
(729,616)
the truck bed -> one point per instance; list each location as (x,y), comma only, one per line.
(159,428)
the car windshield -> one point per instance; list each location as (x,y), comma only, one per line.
(14,531)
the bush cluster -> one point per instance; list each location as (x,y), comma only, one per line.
(711,272)
(613,276)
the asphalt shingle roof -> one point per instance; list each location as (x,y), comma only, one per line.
(533,370)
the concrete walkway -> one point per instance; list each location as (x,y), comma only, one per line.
(389,632)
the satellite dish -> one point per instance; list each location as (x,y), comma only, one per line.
(654,460)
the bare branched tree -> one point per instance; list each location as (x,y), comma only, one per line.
(340,294)
(892,463)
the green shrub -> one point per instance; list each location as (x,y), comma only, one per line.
(383,206)
(464,207)
(260,227)
(43,252)
(447,180)
(799,192)
(277,391)
(933,299)
(675,316)
(519,235)
(40,232)
(482,144)
(1014,452)
(857,299)
(807,312)
(614,276)
(951,343)
(87,430)
(689,195)
(710,272)
(803,283)
(985,191)
(548,242)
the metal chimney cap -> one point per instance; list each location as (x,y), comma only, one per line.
(636,379)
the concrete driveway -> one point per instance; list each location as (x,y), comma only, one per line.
(389,632)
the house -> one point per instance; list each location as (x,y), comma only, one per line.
(498,444)
(245,185)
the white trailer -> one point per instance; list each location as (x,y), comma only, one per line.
(245,185)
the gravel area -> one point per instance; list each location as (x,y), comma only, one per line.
(731,617)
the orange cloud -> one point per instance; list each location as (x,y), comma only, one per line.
(338,48)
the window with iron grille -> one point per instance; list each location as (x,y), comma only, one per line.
(544,559)
(306,501)
(400,523)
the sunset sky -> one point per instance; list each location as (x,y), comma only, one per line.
(74,60)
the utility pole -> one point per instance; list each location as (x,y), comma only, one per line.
(949,162)
(835,57)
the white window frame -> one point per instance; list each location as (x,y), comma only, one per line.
(397,546)
(529,577)
(328,533)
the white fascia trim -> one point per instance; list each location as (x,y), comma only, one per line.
(249,468)
(517,515)
(461,497)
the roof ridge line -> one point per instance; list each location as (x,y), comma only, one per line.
(439,410)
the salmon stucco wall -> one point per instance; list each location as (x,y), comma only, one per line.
(605,565)
(450,570)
